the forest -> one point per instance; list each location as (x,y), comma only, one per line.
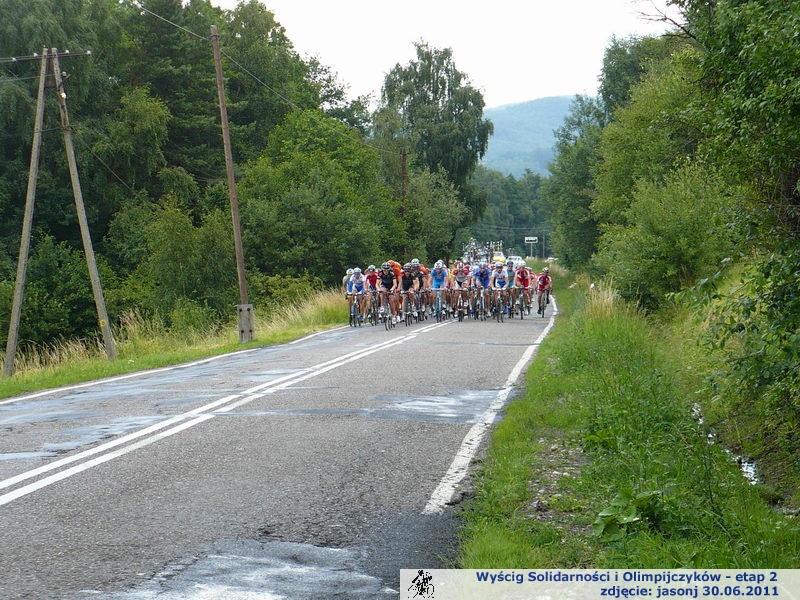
(678,182)
(324,182)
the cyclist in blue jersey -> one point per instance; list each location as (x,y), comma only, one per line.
(511,274)
(481,279)
(481,276)
(440,280)
(355,290)
(500,283)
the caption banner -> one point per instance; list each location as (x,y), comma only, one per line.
(588,584)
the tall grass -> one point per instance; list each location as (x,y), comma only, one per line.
(607,398)
(147,342)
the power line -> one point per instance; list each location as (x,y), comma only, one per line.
(37,56)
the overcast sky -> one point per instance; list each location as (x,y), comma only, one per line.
(511,50)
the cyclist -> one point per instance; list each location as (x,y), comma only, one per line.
(387,286)
(396,267)
(460,282)
(523,282)
(372,278)
(545,283)
(481,279)
(499,283)
(438,278)
(345,279)
(511,275)
(355,287)
(409,284)
(423,274)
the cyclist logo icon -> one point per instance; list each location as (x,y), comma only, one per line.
(421,585)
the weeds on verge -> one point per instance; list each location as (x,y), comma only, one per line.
(652,492)
(148,342)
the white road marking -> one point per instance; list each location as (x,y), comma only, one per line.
(78,386)
(459,468)
(180,422)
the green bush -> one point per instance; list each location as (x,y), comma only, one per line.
(678,232)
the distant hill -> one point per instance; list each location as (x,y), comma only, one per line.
(523,135)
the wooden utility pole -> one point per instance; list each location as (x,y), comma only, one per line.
(246,327)
(97,289)
(403,176)
(25,242)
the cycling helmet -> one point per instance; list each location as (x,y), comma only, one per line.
(357,271)
(498,265)
(439,265)
(407,267)
(483,264)
(546,270)
(349,271)
(385,266)
(414,262)
(371,268)
(509,263)
(522,264)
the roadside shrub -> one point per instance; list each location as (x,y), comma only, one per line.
(678,232)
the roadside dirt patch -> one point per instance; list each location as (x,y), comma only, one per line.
(559,461)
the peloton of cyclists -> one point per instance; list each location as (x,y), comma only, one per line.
(496,280)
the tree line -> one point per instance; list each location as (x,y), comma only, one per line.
(324,182)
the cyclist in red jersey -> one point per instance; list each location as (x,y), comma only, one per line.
(545,283)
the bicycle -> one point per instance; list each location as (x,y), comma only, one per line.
(385,310)
(544,300)
(524,303)
(372,310)
(438,307)
(408,311)
(500,305)
(356,318)
(480,305)
(462,304)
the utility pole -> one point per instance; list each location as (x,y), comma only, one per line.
(403,180)
(25,242)
(245,309)
(97,289)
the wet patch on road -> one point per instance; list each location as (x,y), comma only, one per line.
(263,571)
(460,407)
(24,455)
(90,434)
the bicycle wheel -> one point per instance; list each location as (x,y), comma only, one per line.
(373,310)
(353,316)
(408,313)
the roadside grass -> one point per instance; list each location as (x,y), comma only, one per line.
(144,343)
(603,462)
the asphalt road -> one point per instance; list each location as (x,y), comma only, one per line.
(316,469)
